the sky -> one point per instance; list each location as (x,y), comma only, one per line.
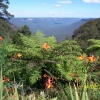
(55,8)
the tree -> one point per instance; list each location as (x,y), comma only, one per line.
(3,9)
(24,30)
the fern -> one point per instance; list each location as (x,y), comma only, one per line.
(35,75)
(95,47)
(3,53)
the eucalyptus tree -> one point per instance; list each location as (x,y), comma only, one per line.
(3,9)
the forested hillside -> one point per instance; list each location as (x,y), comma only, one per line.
(89,30)
(6,31)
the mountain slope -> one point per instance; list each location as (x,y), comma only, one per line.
(63,31)
(89,30)
(6,31)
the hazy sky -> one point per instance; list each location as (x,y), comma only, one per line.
(55,8)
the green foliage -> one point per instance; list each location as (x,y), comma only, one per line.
(67,50)
(3,60)
(24,30)
(59,62)
(3,53)
(16,39)
(1,84)
(89,30)
(95,47)
(5,30)
(32,56)
(35,74)
(55,60)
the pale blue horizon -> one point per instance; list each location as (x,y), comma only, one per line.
(55,8)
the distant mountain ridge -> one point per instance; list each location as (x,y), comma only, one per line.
(59,27)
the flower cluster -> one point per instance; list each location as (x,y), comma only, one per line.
(91,58)
(5,79)
(16,56)
(49,81)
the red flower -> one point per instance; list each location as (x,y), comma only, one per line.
(1,38)
(13,56)
(92,58)
(72,75)
(48,83)
(44,75)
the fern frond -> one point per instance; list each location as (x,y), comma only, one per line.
(35,75)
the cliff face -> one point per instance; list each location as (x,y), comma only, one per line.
(89,30)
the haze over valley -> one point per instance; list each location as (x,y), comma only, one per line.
(59,27)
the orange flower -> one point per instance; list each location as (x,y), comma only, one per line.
(5,79)
(46,46)
(19,55)
(44,75)
(1,38)
(72,75)
(92,58)
(81,57)
(49,86)
(48,83)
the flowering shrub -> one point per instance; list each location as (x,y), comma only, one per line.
(42,63)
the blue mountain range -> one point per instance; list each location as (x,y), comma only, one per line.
(59,27)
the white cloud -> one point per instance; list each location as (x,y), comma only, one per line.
(25,11)
(65,2)
(51,12)
(57,5)
(97,11)
(91,1)
(33,11)
(19,13)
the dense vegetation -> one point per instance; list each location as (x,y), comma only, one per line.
(6,30)
(89,30)
(35,67)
